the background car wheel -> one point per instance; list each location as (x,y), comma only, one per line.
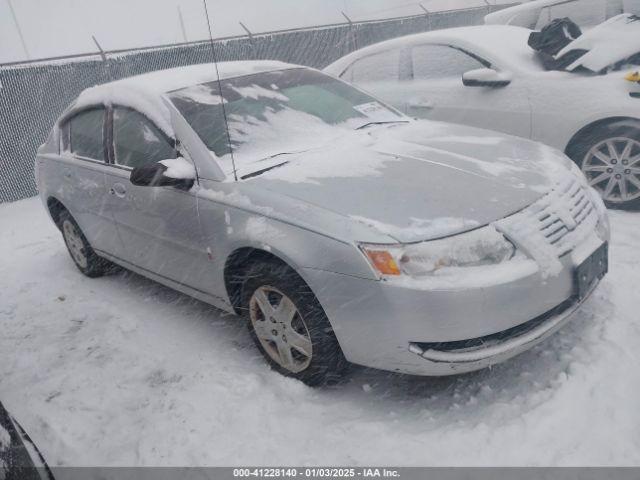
(289,326)
(610,159)
(85,258)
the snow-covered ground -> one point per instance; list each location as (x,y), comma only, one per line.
(123,371)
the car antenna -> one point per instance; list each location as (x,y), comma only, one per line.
(224,110)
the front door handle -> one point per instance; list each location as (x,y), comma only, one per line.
(118,190)
(422,105)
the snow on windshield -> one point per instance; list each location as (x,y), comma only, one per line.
(274,113)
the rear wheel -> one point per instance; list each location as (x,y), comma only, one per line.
(85,258)
(611,162)
(289,326)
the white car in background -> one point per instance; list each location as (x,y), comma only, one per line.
(538,13)
(488,76)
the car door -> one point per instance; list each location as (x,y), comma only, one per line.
(159,225)
(433,89)
(83,188)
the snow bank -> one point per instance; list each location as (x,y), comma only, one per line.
(120,371)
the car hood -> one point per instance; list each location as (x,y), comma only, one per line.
(421,180)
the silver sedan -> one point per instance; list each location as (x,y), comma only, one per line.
(340,229)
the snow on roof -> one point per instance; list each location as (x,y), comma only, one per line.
(144,92)
(495,43)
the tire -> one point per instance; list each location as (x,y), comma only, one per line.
(615,174)
(318,360)
(84,257)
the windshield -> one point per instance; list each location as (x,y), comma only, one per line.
(274,113)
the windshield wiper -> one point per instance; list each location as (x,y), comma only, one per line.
(260,172)
(381,123)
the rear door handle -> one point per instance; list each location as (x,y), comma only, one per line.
(118,190)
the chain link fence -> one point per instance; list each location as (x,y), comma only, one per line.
(34,94)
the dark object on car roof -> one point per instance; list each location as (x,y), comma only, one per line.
(553,38)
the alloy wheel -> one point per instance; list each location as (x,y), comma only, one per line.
(75,243)
(612,167)
(280,328)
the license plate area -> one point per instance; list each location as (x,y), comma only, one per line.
(589,272)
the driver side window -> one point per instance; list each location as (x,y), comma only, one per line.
(137,141)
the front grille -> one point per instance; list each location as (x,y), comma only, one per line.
(563,211)
(556,223)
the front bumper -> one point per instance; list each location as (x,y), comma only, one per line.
(496,348)
(390,326)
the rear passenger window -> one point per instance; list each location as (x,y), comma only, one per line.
(381,67)
(85,134)
(137,141)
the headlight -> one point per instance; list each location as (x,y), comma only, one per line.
(484,246)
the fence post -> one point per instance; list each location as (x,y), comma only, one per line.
(354,38)
(427,15)
(103,55)
(251,40)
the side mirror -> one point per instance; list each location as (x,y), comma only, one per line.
(486,77)
(174,172)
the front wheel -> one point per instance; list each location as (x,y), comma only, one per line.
(610,160)
(289,326)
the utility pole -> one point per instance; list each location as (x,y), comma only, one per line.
(15,20)
(184,30)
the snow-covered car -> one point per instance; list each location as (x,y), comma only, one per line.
(20,458)
(488,76)
(339,228)
(538,13)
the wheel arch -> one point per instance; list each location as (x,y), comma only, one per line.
(590,129)
(237,265)
(55,208)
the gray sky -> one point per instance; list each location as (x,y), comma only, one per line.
(61,27)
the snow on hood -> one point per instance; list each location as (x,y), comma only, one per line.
(610,42)
(422,180)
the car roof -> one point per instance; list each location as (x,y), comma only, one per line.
(502,44)
(144,92)
(162,81)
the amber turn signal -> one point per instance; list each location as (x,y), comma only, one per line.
(633,76)
(383,262)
